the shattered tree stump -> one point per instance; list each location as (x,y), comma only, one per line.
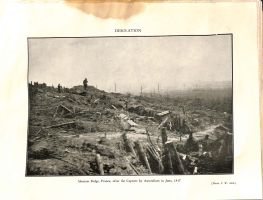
(142,155)
(156,160)
(99,164)
(177,164)
(167,162)
(128,144)
(164,135)
(154,156)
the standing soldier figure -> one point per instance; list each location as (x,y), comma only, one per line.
(59,88)
(85,83)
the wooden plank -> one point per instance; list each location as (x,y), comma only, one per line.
(142,155)
(134,169)
(162,123)
(99,164)
(178,167)
(164,135)
(167,161)
(153,154)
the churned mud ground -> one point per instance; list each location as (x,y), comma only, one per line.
(78,132)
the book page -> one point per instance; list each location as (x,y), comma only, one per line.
(130,100)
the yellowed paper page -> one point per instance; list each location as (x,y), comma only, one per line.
(185,70)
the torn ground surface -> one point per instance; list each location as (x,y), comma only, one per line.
(91,132)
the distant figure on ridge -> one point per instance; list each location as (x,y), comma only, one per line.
(85,83)
(59,88)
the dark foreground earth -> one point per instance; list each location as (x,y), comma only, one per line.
(78,132)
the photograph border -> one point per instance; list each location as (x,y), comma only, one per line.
(130,36)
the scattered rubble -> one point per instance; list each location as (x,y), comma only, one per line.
(91,132)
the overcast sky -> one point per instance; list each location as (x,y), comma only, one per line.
(173,61)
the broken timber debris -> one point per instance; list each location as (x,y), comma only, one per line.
(134,169)
(114,107)
(167,161)
(128,124)
(210,155)
(62,109)
(124,118)
(132,123)
(178,167)
(195,170)
(155,156)
(164,136)
(164,113)
(142,155)
(138,130)
(171,159)
(163,122)
(99,164)
(128,144)
(60,125)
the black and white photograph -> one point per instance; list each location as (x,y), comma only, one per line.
(130,105)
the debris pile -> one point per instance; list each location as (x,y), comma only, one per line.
(77,131)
